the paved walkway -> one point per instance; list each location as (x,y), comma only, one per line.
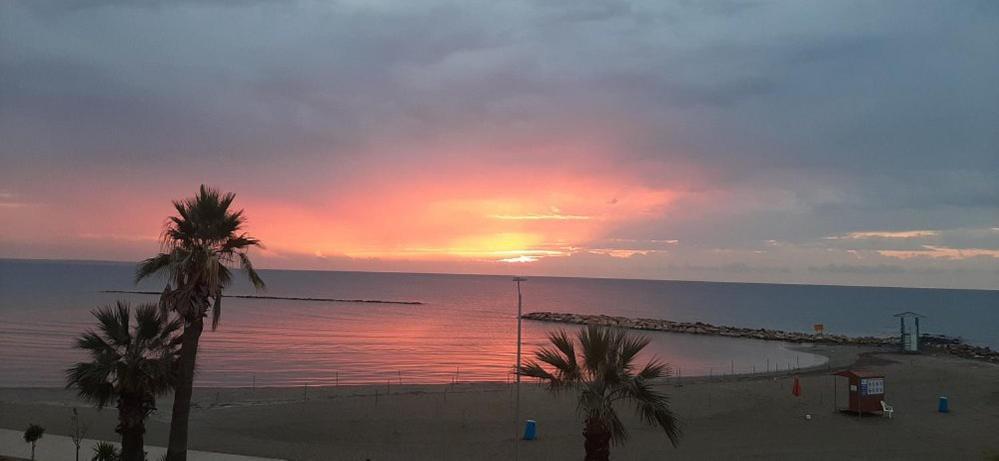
(61,448)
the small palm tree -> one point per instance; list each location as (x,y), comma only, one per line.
(129,365)
(200,244)
(105,451)
(31,435)
(607,375)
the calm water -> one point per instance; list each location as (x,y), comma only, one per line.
(466,329)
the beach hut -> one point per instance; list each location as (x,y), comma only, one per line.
(866,391)
(909,331)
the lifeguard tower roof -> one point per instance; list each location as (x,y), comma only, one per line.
(909,314)
(859,374)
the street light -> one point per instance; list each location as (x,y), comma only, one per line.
(520,307)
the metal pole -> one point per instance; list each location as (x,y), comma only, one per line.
(520,308)
(916,341)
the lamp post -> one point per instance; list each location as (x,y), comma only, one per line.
(520,308)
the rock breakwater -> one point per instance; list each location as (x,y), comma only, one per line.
(935,342)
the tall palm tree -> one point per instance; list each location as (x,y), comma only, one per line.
(130,365)
(603,374)
(200,245)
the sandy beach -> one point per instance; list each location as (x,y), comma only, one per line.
(725,417)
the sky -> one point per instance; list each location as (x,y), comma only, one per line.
(758,141)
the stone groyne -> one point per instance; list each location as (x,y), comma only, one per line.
(946,344)
(286,298)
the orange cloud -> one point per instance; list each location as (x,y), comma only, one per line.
(501,217)
(939,252)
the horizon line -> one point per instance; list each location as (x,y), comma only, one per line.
(478,274)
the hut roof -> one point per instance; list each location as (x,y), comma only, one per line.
(859,374)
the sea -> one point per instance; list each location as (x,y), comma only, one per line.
(464,327)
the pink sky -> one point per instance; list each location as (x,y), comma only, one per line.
(661,140)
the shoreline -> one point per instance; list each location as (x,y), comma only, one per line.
(475,420)
(208,397)
(833,357)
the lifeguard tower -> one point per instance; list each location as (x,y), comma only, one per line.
(909,331)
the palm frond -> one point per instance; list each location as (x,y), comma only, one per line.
(216,312)
(247,265)
(618,433)
(630,347)
(532,369)
(113,323)
(654,369)
(93,343)
(92,382)
(240,242)
(151,266)
(592,339)
(653,407)
(147,323)
(563,365)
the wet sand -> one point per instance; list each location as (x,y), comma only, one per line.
(725,417)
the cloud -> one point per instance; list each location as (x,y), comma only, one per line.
(398,131)
(541,217)
(938,252)
(886,234)
(520,259)
(858,269)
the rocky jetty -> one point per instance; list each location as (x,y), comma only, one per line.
(955,346)
(934,342)
(286,298)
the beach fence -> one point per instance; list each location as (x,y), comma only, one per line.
(735,368)
(395,381)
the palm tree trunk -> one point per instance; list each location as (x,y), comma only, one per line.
(132,427)
(32,451)
(597,439)
(177,447)
(132,444)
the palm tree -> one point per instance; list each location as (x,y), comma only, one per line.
(200,244)
(31,435)
(606,376)
(129,365)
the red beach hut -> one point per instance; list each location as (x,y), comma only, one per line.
(866,391)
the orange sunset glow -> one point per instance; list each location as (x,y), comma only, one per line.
(504,218)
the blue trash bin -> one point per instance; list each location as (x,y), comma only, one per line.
(943,406)
(530,430)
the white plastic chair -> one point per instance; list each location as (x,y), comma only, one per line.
(887,410)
